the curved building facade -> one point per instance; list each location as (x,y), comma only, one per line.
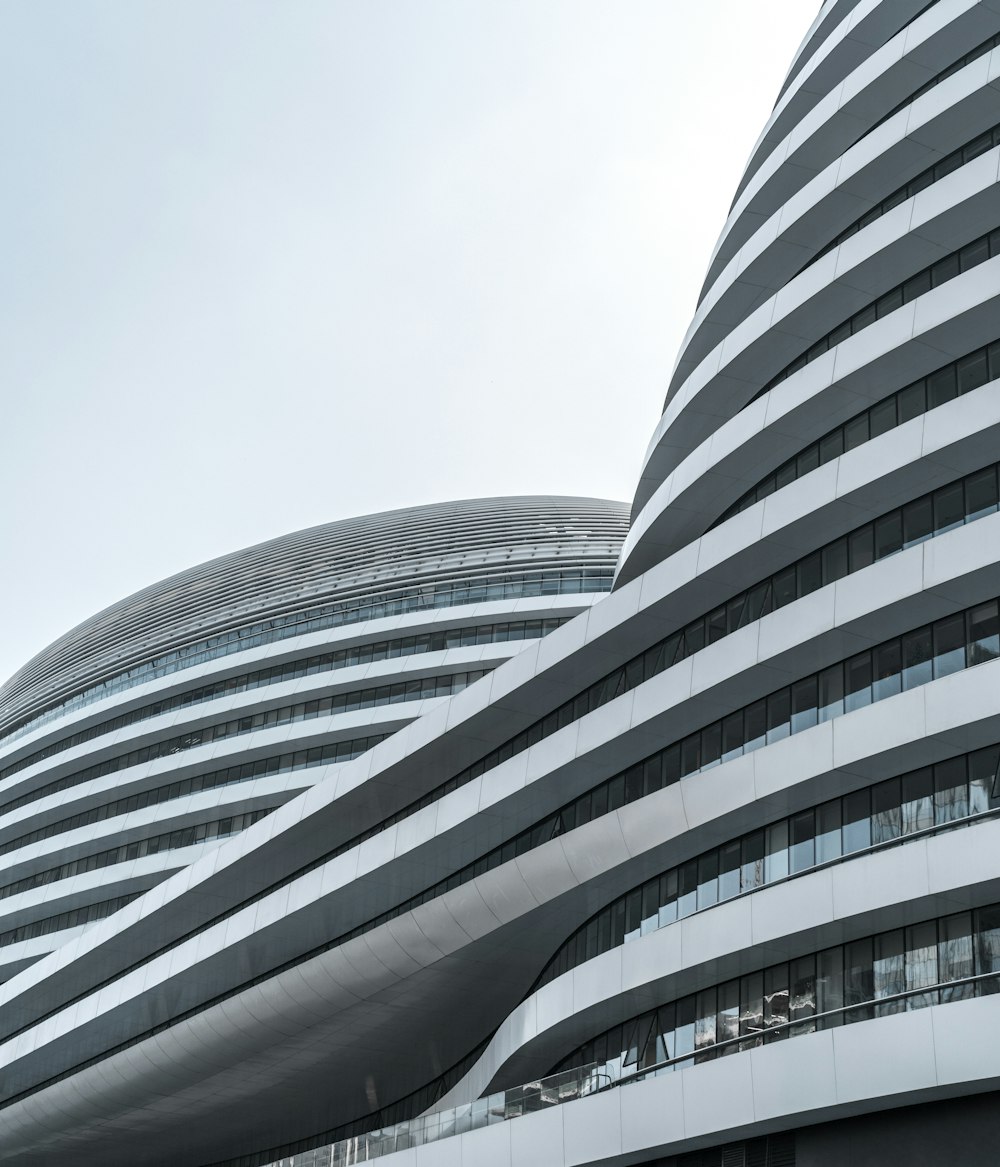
(709,874)
(193,709)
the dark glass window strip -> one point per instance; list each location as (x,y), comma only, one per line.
(261,768)
(980,50)
(516,586)
(951,162)
(951,793)
(964,501)
(170,841)
(70,919)
(391,694)
(940,272)
(775,1150)
(943,385)
(956,642)
(925,964)
(360,654)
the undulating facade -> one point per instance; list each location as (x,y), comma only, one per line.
(407,839)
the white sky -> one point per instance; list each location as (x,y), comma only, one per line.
(271,264)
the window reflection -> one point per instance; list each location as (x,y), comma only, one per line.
(874,976)
(933,796)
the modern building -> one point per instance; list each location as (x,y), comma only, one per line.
(708,874)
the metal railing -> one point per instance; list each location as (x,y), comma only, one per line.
(866,1010)
(544,1093)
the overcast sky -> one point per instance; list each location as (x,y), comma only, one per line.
(271,264)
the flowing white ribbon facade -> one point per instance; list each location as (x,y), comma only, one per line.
(707,874)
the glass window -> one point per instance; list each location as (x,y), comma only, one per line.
(835,561)
(857,821)
(984,633)
(711,745)
(779,715)
(942,386)
(888,534)
(974,253)
(886,814)
(665,1021)
(708,879)
(994,355)
(882,417)
(802,851)
(716,625)
(858,684)
(887,660)
(809,573)
(981,493)
(804,704)
(861,547)
(734,614)
(668,897)
(982,776)
(888,971)
(684,1030)
(727,1025)
(633,914)
(802,993)
(988,947)
(949,507)
(828,825)
(807,460)
(776,996)
(911,402)
(755,725)
(776,860)
(704,1026)
(650,907)
(841,333)
(949,645)
(955,955)
(758,603)
(944,270)
(729,870)
(918,521)
(830,985)
(784,474)
(694,637)
(831,692)
(858,979)
(832,446)
(863,318)
(951,791)
(732,736)
(752,861)
(691,754)
(973,371)
(687,892)
(856,432)
(751,1008)
(916,286)
(921,963)
(784,587)
(917,809)
(918,667)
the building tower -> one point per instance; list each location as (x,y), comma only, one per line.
(711,873)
